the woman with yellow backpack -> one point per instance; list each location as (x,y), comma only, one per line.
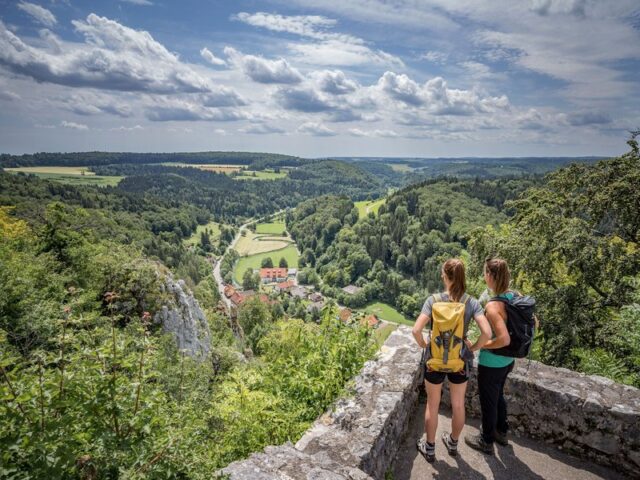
(447,354)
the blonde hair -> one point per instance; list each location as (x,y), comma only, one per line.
(453,269)
(499,271)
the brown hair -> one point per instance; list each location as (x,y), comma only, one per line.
(453,269)
(499,271)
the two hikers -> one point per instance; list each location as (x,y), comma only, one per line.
(454,308)
(443,313)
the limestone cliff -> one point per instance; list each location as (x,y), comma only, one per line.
(182,316)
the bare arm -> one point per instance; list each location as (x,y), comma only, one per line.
(496,315)
(421,322)
(485,332)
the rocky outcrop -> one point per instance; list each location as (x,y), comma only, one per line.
(182,316)
(590,416)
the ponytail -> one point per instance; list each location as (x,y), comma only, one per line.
(453,269)
(499,271)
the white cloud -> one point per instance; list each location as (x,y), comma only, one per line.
(87,103)
(9,95)
(144,3)
(73,125)
(316,129)
(262,70)
(335,82)
(40,14)
(127,129)
(435,56)
(211,58)
(328,48)
(357,132)
(113,57)
(302,100)
(165,110)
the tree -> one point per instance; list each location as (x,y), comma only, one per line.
(267,262)
(283,263)
(249,280)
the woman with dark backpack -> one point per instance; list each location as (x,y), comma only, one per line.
(492,368)
(447,354)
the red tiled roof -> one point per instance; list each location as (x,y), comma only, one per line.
(273,272)
(345,314)
(371,320)
(285,285)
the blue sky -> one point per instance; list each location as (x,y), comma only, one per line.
(321,77)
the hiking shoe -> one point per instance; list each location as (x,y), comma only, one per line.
(427,451)
(501,438)
(452,447)
(477,443)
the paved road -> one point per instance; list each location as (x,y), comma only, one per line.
(524,459)
(216,269)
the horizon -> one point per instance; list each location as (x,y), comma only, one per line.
(321,78)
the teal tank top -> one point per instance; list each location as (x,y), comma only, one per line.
(489,359)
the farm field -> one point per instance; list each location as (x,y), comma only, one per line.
(68,175)
(387,312)
(275,228)
(214,229)
(290,253)
(365,206)
(252,243)
(260,175)
(401,167)
(208,167)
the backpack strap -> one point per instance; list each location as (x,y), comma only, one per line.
(437,297)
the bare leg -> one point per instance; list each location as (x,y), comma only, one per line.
(431,412)
(457,392)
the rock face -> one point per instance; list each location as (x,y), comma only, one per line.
(183,317)
(590,416)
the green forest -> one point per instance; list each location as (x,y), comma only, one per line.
(91,387)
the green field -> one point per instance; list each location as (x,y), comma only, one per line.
(195,238)
(260,175)
(365,206)
(68,175)
(401,167)
(387,312)
(255,261)
(382,333)
(275,228)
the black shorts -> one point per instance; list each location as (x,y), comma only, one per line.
(436,378)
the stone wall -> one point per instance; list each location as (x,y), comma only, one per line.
(360,436)
(590,416)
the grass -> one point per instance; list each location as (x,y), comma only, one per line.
(195,238)
(382,333)
(365,206)
(400,167)
(260,175)
(388,313)
(290,253)
(68,175)
(252,244)
(276,228)
(208,167)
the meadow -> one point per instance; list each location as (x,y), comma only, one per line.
(68,175)
(388,313)
(366,206)
(274,228)
(212,227)
(260,175)
(290,253)
(252,244)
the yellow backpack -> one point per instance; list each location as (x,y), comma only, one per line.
(447,335)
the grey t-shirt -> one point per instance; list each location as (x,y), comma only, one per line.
(472,308)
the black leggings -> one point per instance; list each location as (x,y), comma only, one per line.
(494,407)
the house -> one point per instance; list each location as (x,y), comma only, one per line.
(272,275)
(315,297)
(292,273)
(345,315)
(351,289)
(370,321)
(229,291)
(299,292)
(285,286)
(236,299)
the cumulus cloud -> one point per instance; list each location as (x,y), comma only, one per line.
(262,70)
(222,97)
(335,82)
(328,48)
(92,104)
(302,100)
(211,58)
(38,13)
(122,128)
(357,132)
(435,56)
(165,110)
(580,119)
(437,97)
(113,57)
(73,125)
(316,129)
